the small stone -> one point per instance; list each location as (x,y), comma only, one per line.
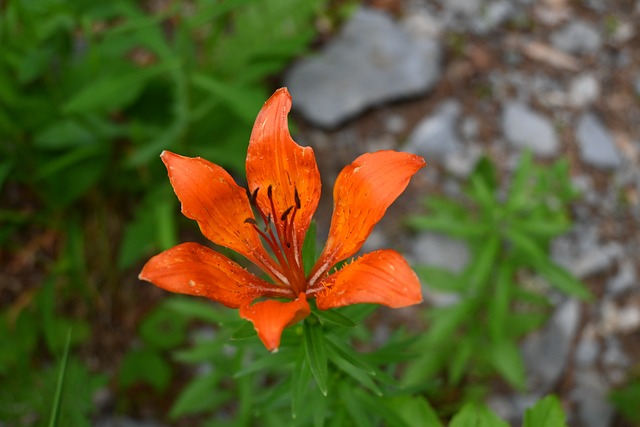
(577,37)
(595,260)
(462,162)
(395,123)
(583,91)
(440,251)
(436,136)
(624,280)
(371,61)
(590,395)
(525,128)
(596,144)
(545,353)
(587,349)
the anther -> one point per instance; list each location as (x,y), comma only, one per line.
(285,213)
(270,192)
(254,196)
(296,198)
(251,221)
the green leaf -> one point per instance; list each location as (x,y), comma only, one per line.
(336,318)
(449,226)
(355,372)
(459,361)
(519,194)
(626,399)
(266,362)
(299,385)
(339,349)
(203,394)
(54,418)
(415,410)
(193,308)
(499,304)
(475,415)
(244,101)
(309,248)
(546,413)
(112,92)
(244,331)
(147,366)
(358,412)
(479,272)
(562,280)
(389,413)
(506,359)
(440,279)
(162,329)
(66,133)
(314,345)
(444,320)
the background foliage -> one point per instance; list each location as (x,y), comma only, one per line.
(90,94)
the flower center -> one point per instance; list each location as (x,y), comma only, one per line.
(279,234)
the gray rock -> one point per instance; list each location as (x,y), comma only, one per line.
(637,85)
(595,260)
(461,162)
(587,349)
(577,37)
(545,353)
(596,143)
(583,90)
(624,280)
(525,128)
(440,251)
(590,396)
(436,136)
(371,61)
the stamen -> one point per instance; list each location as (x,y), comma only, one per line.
(296,197)
(251,221)
(283,217)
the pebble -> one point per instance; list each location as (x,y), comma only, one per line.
(436,135)
(584,90)
(577,37)
(625,280)
(590,395)
(525,128)
(371,61)
(595,143)
(545,352)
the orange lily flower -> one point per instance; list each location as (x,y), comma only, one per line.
(283,193)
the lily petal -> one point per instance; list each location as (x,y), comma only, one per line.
(193,269)
(361,195)
(210,196)
(275,160)
(380,277)
(270,317)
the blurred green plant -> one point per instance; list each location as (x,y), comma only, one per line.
(29,383)
(500,297)
(625,399)
(90,92)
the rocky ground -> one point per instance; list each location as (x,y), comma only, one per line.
(452,80)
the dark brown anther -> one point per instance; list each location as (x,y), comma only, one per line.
(250,221)
(270,192)
(296,197)
(254,196)
(285,213)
